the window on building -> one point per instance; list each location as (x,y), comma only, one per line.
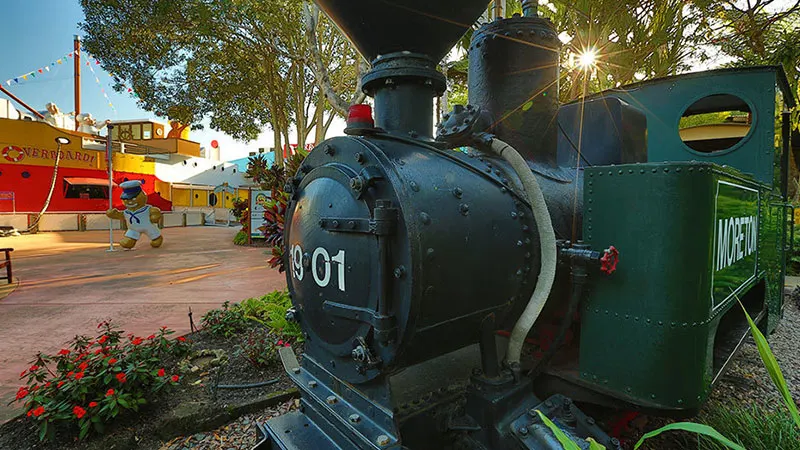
(86,192)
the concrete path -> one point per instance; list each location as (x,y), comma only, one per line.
(69,283)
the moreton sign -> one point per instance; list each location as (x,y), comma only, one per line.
(735,241)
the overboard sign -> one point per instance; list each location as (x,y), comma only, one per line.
(735,241)
(31,155)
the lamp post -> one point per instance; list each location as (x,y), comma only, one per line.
(109,155)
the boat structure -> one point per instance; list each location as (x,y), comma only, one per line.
(54,170)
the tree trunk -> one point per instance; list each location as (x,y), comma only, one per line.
(276,134)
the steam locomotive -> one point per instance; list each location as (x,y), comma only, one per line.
(456,289)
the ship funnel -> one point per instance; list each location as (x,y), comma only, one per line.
(380,27)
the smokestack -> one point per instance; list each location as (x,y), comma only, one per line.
(404,39)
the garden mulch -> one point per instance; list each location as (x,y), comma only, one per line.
(195,405)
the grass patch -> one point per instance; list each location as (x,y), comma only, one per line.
(753,426)
(240,238)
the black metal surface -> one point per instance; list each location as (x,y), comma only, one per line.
(378,27)
(513,74)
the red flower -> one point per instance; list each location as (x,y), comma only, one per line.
(109,393)
(151,337)
(102,339)
(29,413)
(63,351)
(83,366)
(22,374)
(175,378)
(22,392)
(60,383)
(79,412)
(121,377)
(161,372)
(38,411)
(33,368)
(137,341)
(92,404)
(79,375)
(287,345)
(47,385)
(71,373)
(98,351)
(280,342)
(34,387)
(182,339)
(112,361)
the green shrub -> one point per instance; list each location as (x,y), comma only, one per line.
(225,322)
(240,238)
(92,380)
(270,310)
(261,346)
(752,426)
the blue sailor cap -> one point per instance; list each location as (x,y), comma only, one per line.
(130,189)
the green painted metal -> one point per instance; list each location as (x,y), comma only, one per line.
(687,244)
(664,100)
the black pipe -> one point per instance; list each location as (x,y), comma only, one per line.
(785,137)
(488,347)
(579,275)
(248,386)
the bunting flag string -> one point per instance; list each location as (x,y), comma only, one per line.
(38,72)
(97,79)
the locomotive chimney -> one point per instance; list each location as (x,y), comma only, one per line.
(404,39)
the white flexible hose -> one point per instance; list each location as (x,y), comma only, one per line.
(547,243)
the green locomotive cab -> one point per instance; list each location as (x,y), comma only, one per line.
(705,223)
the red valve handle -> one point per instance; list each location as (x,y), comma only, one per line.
(609,260)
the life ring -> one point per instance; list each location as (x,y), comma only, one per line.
(13,154)
(125,135)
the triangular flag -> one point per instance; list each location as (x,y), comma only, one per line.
(16,80)
(69,55)
(33,75)
(40,71)
(8,82)
(24,77)
(59,61)
(87,63)
(52,64)
(130,90)
(47,68)
(96,62)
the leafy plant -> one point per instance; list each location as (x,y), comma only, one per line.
(261,347)
(92,381)
(240,238)
(273,228)
(772,367)
(225,321)
(270,310)
(754,427)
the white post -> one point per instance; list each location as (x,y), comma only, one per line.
(110,154)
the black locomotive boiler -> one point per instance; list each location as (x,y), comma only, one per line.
(453,288)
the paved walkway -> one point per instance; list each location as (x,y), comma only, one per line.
(69,282)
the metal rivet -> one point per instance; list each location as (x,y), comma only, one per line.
(312,384)
(425,218)
(335,224)
(457,192)
(399,272)
(414,186)
(463,209)
(382,440)
(296,370)
(355,418)
(523,431)
(351,224)
(331,399)
(359,157)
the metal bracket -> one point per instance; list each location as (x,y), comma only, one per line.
(358,314)
(383,224)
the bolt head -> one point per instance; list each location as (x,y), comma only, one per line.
(523,431)
(383,440)
(312,384)
(355,418)
(296,370)
(331,399)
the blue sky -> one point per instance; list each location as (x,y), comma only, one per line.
(37,32)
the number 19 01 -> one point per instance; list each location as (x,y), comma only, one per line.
(322,279)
